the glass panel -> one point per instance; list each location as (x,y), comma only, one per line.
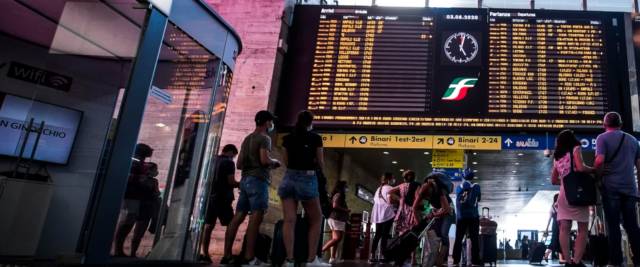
(213,145)
(523,4)
(610,5)
(454,3)
(61,70)
(559,5)
(171,142)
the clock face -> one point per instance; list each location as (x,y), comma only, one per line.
(461,47)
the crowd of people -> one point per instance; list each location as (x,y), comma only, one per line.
(397,207)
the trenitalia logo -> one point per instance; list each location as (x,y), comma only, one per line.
(458,88)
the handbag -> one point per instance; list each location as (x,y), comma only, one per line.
(579,187)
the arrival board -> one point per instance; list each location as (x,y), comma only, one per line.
(413,69)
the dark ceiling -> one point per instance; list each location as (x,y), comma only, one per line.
(509,179)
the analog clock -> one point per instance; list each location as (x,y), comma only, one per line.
(461,47)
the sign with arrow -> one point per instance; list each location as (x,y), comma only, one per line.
(388,141)
(524,142)
(467,142)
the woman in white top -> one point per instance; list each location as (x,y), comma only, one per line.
(383,215)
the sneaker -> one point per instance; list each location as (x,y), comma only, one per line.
(253,263)
(373,260)
(317,263)
(289,263)
(334,261)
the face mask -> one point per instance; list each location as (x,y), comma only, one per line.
(392,181)
(272,127)
(310,128)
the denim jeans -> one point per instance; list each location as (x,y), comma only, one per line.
(619,206)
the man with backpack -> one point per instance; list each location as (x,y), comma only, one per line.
(467,220)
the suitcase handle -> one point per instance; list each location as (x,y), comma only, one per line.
(487,209)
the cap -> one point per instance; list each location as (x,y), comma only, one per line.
(264,116)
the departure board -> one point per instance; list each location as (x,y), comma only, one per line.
(371,63)
(448,69)
(546,66)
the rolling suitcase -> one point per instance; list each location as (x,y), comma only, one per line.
(300,243)
(263,246)
(489,249)
(400,247)
(537,253)
(487,226)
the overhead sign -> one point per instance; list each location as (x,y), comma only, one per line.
(449,159)
(525,142)
(587,142)
(333,140)
(467,142)
(388,141)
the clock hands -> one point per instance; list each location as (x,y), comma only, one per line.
(462,44)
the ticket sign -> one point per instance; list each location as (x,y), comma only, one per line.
(449,159)
(388,141)
(333,140)
(467,142)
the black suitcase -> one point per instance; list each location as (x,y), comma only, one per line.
(278,253)
(598,250)
(300,246)
(400,247)
(537,253)
(489,249)
(263,246)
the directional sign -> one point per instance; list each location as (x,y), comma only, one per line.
(525,142)
(448,159)
(388,141)
(587,142)
(467,142)
(333,140)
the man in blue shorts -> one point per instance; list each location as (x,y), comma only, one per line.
(255,162)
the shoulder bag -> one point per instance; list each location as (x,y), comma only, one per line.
(579,187)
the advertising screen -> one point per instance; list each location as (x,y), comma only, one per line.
(448,69)
(57,135)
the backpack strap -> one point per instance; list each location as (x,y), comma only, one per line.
(617,149)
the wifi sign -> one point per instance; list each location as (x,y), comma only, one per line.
(39,76)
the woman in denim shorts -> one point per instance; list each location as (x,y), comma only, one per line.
(303,156)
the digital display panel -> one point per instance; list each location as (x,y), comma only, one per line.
(56,137)
(448,69)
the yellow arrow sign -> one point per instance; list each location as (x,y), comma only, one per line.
(467,142)
(388,141)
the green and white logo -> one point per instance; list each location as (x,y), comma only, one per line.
(458,88)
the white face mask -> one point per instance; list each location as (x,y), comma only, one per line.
(272,127)
(310,128)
